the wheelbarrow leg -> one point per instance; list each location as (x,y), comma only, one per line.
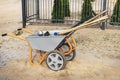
(31,60)
(42,57)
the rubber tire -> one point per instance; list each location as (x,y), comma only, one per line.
(63,57)
(72,58)
(74,53)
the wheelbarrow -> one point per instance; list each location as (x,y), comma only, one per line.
(54,47)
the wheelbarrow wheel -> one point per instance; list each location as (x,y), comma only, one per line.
(70,56)
(55,61)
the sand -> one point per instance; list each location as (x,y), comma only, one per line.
(97,58)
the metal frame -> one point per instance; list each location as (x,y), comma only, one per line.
(30,11)
(33,11)
(104,8)
(23,13)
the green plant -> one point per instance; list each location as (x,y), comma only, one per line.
(66,8)
(92,0)
(86,10)
(58,12)
(115,18)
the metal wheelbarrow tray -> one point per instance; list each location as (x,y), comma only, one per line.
(45,43)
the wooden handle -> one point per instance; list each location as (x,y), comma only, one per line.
(96,16)
(85,25)
(93,18)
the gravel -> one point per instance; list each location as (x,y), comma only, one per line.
(4,78)
(12,51)
(6,56)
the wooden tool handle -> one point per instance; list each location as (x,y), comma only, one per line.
(96,16)
(84,25)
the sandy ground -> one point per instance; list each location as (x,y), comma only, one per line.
(98,52)
(98,57)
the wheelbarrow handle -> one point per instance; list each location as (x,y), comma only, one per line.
(5,34)
(25,30)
